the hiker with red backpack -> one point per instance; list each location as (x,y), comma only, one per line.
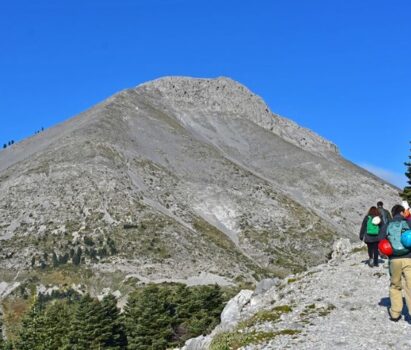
(370,234)
(399,261)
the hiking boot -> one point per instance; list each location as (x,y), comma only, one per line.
(370,263)
(396,319)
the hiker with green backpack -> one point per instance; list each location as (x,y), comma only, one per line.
(399,262)
(370,234)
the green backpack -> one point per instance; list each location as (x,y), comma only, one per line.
(372,230)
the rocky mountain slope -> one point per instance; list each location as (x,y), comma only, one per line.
(338,305)
(182,179)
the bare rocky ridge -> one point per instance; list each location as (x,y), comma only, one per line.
(176,179)
(193,98)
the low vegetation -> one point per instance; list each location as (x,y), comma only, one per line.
(236,340)
(245,333)
(317,310)
(262,316)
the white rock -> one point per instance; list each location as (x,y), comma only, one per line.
(341,247)
(232,311)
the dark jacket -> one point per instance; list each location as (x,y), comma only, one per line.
(365,236)
(385,215)
(383,234)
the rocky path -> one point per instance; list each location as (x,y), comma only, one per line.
(354,298)
(339,305)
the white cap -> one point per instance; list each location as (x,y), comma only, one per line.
(405,205)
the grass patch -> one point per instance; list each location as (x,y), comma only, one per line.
(242,283)
(313,310)
(65,275)
(236,340)
(240,337)
(262,316)
(326,310)
(292,280)
(359,249)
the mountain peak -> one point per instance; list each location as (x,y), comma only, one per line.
(194,96)
(175,178)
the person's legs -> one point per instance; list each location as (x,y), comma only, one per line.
(395,288)
(369,246)
(370,254)
(406,270)
(375,253)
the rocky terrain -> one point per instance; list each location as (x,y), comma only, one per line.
(178,179)
(338,305)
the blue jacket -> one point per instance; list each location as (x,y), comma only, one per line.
(383,234)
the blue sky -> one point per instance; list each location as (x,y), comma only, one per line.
(341,68)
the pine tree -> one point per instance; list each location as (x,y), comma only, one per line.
(97,325)
(83,330)
(149,317)
(406,193)
(112,330)
(76,259)
(198,310)
(58,316)
(63,259)
(55,259)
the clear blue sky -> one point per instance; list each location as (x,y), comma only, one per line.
(339,67)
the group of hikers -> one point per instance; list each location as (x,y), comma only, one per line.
(381,227)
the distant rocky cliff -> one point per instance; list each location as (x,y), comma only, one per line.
(192,180)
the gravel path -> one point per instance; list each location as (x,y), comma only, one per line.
(341,305)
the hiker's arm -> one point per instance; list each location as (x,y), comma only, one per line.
(363,228)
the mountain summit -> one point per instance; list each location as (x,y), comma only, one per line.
(179,179)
